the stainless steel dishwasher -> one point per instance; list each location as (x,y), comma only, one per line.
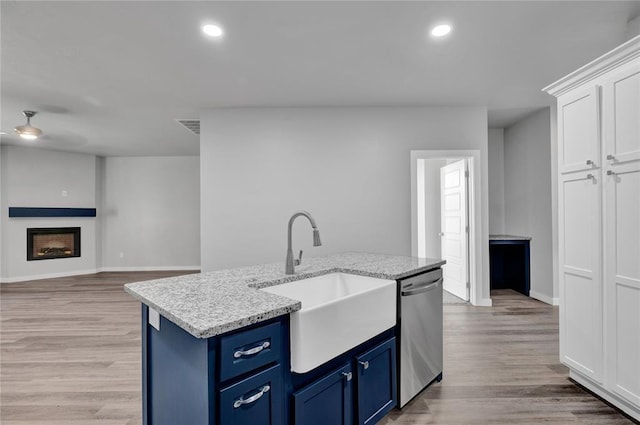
(420,318)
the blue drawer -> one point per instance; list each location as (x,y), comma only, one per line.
(257,400)
(245,351)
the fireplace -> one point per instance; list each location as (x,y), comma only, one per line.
(53,242)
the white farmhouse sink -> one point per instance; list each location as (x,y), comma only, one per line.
(339,311)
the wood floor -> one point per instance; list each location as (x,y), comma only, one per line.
(70,354)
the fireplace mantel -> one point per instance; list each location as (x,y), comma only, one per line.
(51,212)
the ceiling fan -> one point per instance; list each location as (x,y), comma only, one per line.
(27,131)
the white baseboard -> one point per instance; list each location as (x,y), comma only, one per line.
(46,276)
(544,298)
(99,270)
(150,269)
(483,302)
(612,398)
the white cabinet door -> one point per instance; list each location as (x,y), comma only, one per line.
(621,115)
(622,277)
(621,148)
(579,130)
(581,306)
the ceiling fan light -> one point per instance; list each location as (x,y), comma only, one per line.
(27,131)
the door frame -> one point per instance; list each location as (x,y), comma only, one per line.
(476,261)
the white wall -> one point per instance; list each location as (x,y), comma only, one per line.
(527,192)
(3,212)
(633,28)
(496,182)
(433,246)
(151,213)
(350,167)
(555,241)
(36,178)
(140,203)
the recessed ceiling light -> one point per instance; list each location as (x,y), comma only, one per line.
(441,30)
(212,30)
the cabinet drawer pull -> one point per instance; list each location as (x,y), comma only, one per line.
(589,162)
(347,375)
(242,401)
(611,157)
(611,173)
(365,365)
(251,351)
(589,176)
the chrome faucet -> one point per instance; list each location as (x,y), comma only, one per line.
(291,263)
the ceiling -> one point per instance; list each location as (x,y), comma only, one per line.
(110,78)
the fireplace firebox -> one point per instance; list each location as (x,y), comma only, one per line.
(53,242)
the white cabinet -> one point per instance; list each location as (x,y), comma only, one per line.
(621,132)
(581,292)
(579,128)
(599,224)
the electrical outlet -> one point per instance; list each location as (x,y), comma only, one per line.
(154,318)
(122,255)
(64,193)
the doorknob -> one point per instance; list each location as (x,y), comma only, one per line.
(441,234)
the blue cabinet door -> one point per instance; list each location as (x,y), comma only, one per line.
(376,382)
(257,400)
(328,401)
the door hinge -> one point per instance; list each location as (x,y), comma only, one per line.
(466,229)
(466,174)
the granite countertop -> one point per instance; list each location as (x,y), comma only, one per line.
(209,304)
(509,238)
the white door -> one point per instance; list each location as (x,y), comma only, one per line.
(454,228)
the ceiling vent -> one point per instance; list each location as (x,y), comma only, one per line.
(191,125)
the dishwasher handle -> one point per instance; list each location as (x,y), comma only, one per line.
(421,289)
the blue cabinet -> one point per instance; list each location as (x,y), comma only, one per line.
(376,382)
(257,400)
(364,389)
(178,376)
(232,379)
(243,378)
(326,401)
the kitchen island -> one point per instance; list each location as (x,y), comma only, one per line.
(216,348)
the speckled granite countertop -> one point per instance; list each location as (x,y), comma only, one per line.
(209,304)
(509,238)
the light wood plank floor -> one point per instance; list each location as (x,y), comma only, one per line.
(70,354)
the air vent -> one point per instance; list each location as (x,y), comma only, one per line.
(191,125)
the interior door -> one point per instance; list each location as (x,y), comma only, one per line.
(454,228)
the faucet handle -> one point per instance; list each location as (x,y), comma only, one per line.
(298,260)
